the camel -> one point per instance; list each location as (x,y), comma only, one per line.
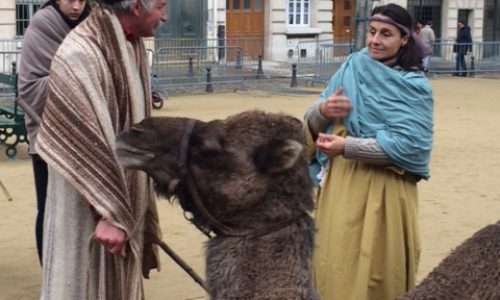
(244,180)
(470,272)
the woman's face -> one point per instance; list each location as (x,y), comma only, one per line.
(384,40)
(72,9)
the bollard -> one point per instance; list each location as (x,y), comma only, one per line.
(472,66)
(190,72)
(210,88)
(14,72)
(294,76)
(238,60)
(260,71)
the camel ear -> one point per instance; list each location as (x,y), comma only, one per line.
(277,156)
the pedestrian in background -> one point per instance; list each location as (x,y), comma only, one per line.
(418,27)
(463,45)
(428,37)
(47,29)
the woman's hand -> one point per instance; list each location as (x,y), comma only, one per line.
(111,237)
(336,105)
(330,144)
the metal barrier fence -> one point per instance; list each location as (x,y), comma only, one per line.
(251,48)
(10,51)
(484,57)
(198,66)
(323,58)
(318,60)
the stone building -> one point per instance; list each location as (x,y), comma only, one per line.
(275,28)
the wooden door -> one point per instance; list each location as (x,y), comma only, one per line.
(245,27)
(343,20)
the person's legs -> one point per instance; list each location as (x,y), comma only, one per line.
(463,65)
(425,63)
(40,174)
(457,64)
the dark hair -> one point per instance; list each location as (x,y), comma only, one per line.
(408,56)
(71,23)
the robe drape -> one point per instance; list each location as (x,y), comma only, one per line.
(99,86)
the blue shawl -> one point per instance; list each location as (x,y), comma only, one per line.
(393,106)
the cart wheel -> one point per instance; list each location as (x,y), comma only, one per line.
(157,100)
(11,152)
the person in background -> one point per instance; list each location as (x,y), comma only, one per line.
(101,221)
(463,45)
(418,27)
(47,29)
(428,37)
(369,139)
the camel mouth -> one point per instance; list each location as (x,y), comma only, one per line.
(131,157)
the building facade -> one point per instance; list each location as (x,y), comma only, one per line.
(276,27)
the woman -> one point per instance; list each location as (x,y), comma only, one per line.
(47,29)
(377,115)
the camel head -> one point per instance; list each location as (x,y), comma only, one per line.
(246,168)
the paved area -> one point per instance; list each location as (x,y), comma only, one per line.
(462,195)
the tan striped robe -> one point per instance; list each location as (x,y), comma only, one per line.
(97,89)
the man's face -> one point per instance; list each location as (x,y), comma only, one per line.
(71,8)
(148,21)
(460,25)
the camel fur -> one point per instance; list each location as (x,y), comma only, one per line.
(251,174)
(470,272)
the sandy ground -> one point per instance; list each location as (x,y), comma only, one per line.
(462,195)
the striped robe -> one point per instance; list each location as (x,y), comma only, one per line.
(99,86)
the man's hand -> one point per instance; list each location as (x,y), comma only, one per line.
(111,237)
(330,144)
(336,105)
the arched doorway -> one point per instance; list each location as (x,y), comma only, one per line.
(245,26)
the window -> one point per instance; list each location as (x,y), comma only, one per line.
(347,5)
(298,12)
(236,4)
(256,5)
(25,9)
(246,4)
(347,21)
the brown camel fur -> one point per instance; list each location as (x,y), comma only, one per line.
(251,176)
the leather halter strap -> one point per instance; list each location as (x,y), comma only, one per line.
(215,226)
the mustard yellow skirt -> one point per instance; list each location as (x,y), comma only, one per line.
(367,244)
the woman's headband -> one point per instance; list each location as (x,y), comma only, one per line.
(386,19)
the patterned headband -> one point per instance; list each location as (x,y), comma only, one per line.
(386,19)
(422,48)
